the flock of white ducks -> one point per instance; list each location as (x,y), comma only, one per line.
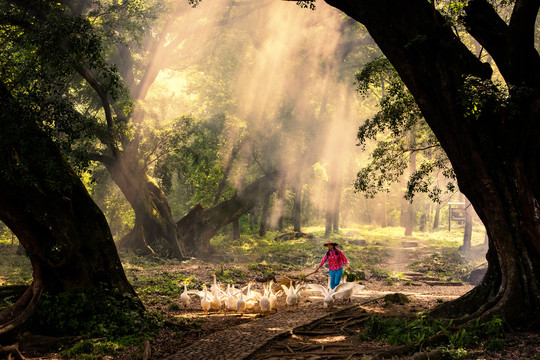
(219,298)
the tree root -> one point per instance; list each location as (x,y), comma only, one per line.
(14,319)
(147,350)
(11,352)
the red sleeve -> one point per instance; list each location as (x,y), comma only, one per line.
(344,259)
(324,259)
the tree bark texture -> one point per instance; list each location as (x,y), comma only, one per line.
(494,148)
(63,231)
(155,228)
(197,228)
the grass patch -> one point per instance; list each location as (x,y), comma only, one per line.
(15,269)
(449,264)
(399,331)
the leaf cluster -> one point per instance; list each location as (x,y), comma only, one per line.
(41,50)
(398,131)
(194,157)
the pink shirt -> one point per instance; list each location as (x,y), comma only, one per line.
(336,260)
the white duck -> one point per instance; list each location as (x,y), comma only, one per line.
(206,300)
(232,300)
(252,297)
(241,304)
(273,297)
(184,297)
(264,302)
(293,294)
(327,292)
(346,290)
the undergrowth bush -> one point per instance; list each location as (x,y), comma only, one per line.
(399,331)
(94,312)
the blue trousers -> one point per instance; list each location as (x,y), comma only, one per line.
(335,277)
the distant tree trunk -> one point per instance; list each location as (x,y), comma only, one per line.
(50,211)
(337,204)
(252,220)
(281,208)
(409,216)
(154,224)
(409,220)
(436,217)
(297,206)
(330,195)
(264,214)
(236,229)
(384,216)
(221,186)
(403,204)
(197,228)
(468,226)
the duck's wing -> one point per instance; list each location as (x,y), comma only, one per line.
(344,286)
(256,295)
(317,287)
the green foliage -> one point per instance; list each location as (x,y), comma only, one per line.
(231,276)
(94,312)
(398,130)
(399,331)
(15,269)
(194,158)
(296,253)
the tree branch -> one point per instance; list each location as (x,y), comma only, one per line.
(106,160)
(94,83)
(423,148)
(487,27)
(523,20)
(512,47)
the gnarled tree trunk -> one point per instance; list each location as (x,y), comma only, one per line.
(50,211)
(493,147)
(155,228)
(199,226)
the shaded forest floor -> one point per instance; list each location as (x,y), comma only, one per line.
(427,268)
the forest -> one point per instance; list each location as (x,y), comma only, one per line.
(269,179)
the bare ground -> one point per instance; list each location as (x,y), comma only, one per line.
(335,337)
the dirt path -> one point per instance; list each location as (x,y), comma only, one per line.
(247,339)
(242,341)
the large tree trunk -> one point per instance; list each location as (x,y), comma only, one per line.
(199,226)
(47,207)
(493,151)
(155,228)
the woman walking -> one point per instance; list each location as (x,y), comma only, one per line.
(336,261)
